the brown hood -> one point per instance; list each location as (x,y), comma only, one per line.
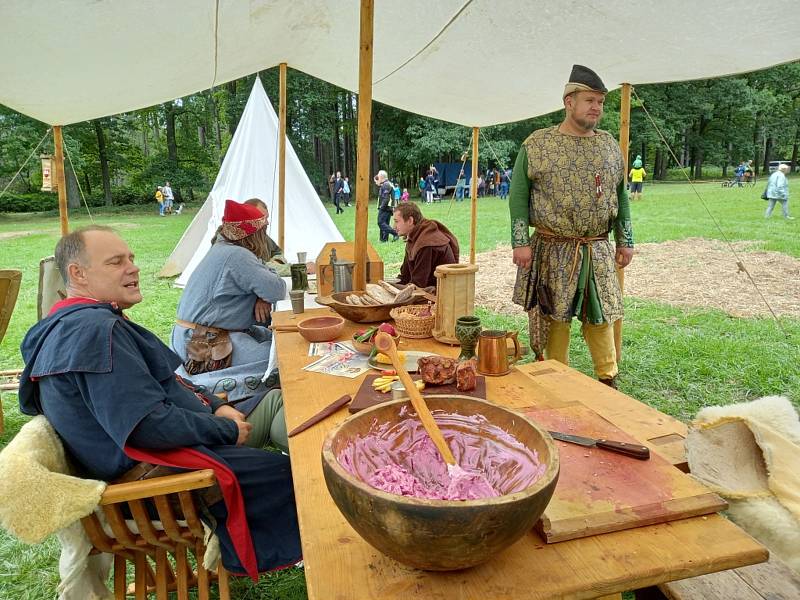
(430,233)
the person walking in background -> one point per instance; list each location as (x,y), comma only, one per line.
(739,174)
(461,183)
(505,180)
(404,196)
(160,200)
(396,193)
(637,176)
(168,198)
(385,208)
(338,192)
(421,186)
(778,191)
(346,191)
(566,268)
(430,187)
(750,173)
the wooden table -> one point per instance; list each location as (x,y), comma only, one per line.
(340,564)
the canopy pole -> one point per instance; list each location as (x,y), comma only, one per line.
(282,155)
(58,141)
(364,143)
(473,229)
(624,144)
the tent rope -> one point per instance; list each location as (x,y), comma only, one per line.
(739,262)
(428,45)
(488,143)
(80,189)
(25,162)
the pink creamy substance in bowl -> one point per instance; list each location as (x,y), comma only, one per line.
(401,459)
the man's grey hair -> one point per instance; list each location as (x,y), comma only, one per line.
(71,249)
(382,174)
(784,167)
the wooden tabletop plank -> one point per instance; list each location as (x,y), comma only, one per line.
(339,564)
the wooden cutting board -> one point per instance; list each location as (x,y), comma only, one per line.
(600,491)
(367,396)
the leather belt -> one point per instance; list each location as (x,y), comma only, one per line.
(549,236)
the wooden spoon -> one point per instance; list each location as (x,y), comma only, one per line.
(385,343)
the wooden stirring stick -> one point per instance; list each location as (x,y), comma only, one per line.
(385,344)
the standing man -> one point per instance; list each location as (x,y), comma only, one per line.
(168,198)
(569,184)
(338,192)
(385,201)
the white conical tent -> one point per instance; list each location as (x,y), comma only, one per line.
(250,170)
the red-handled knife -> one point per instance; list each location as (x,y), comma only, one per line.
(632,450)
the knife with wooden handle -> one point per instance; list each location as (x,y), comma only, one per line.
(625,448)
(325,412)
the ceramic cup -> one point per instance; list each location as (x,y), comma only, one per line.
(301,258)
(468,328)
(298,301)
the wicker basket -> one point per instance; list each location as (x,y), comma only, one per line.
(410,324)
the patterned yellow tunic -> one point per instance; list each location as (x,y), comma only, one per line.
(571,189)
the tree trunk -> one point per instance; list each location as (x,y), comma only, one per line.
(657,165)
(145,149)
(756,144)
(102,153)
(793,164)
(233,112)
(201,135)
(73,191)
(172,146)
(768,143)
(87,184)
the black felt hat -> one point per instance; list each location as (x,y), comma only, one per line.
(586,79)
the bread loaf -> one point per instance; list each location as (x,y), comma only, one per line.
(380,294)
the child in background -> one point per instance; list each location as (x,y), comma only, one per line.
(404,195)
(160,200)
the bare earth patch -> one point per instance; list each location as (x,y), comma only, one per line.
(691,273)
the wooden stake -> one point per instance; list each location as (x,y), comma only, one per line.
(61,180)
(282,156)
(363,182)
(473,229)
(624,144)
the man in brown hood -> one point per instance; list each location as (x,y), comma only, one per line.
(428,245)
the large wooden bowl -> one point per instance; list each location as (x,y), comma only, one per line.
(321,329)
(439,535)
(365,314)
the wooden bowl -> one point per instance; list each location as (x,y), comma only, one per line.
(365,314)
(439,535)
(321,329)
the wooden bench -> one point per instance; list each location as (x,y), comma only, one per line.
(771,580)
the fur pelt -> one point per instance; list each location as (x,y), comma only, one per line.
(38,496)
(748,453)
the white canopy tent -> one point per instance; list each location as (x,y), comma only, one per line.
(66,62)
(249,170)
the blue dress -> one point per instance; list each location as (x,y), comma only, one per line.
(222,292)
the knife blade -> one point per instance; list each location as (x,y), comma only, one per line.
(632,450)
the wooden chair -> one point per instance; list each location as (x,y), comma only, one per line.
(10,281)
(148,546)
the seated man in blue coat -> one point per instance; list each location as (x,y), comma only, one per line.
(108,387)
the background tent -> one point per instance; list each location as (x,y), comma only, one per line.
(249,170)
(72,61)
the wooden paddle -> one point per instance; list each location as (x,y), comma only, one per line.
(385,344)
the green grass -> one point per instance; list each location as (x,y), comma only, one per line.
(676,360)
